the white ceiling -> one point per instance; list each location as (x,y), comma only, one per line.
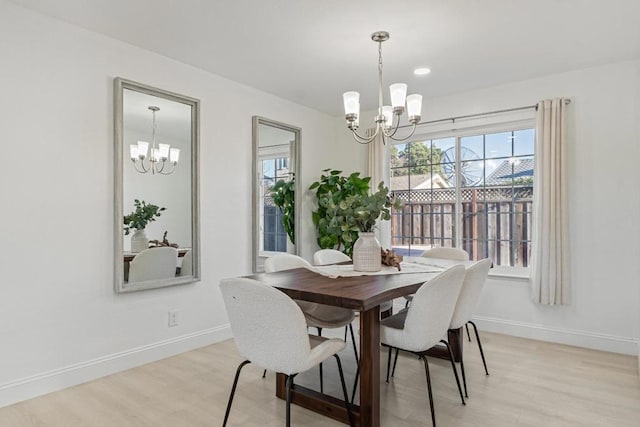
(311,51)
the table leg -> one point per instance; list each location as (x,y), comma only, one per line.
(370,368)
(455,341)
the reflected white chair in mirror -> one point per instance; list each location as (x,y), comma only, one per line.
(318,316)
(153,264)
(454,254)
(422,326)
(186,269)
(446,253)
(329,256)
(270,330)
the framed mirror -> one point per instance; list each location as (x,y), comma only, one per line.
(157,239)
(276,213)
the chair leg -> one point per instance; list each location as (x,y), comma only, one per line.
(389,363)
(395,362)
(426,370)
(264,373)
(355,385)
(344,391)
(233,391)
(464,379)
(345,333)
(353,341)
(467,328)
(320,366)
(406,304)
(455,371)
(475,329)
(288,409)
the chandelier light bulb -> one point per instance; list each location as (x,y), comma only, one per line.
(351,103)
(143,149)
(387,112)
(174,155)
(398,94)
(164,151)
(133,150)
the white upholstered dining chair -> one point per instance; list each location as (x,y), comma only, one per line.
(319,316)
(270,330)
(422,326)
(474,281)
(153,264)
(186,269)
(454,254)
(329,256)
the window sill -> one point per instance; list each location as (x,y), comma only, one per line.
(510,273)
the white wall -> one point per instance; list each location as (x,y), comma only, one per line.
(604,203)
(60,319)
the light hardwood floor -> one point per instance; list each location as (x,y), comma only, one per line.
(532,383)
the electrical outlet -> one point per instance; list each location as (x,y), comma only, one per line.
(173,318)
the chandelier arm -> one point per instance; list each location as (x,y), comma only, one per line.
(413,130)
(365,140)
(135,166)
(162,167)
(170,172)
(397,126)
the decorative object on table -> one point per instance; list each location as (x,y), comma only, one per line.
(384,119)
(163,243)
(138,220)
(159,155)
(346,211)
(284,197)
(390,258)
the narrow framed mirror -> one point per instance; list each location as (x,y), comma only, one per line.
(276,213)
(157,237)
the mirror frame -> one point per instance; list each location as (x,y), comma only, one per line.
(120,84)
(257,121)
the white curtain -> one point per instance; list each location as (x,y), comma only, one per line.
(378,170)
(550,243)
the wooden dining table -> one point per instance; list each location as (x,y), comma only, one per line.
(361,293)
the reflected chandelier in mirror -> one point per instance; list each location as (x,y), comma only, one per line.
(156,199)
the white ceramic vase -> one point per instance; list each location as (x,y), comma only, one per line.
(139,241)
(366,253)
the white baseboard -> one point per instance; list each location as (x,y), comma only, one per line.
(577,338)
(57,379)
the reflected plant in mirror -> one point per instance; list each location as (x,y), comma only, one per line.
(276,150)
(156,187)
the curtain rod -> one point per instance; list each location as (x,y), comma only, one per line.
(567,101)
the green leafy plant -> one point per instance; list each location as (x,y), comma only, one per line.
(284,197)
(345,208)
(143,215)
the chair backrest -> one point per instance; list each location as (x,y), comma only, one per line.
(474,280)
(329,256)
(268,327)
(153,264)
(284,261)
(447,253)
(186,269)
(430,312)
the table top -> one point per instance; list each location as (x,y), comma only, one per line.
(358,293)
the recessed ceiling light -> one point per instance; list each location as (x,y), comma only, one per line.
(421,71)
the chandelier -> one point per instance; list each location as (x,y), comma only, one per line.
(157,159)
(386,114)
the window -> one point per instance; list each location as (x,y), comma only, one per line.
(468,191)
(273,237)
